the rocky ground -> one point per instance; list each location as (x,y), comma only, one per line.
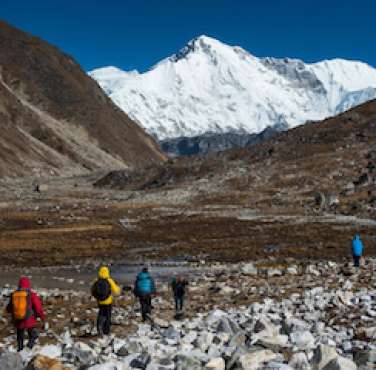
(265,315)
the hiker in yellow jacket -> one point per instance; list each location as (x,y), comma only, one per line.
(103,290)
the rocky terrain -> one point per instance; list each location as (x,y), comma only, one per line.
(55,120)
(262,315)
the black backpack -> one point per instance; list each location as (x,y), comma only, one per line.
(101,289)
(180,289)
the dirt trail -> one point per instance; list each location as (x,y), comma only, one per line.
(63,229)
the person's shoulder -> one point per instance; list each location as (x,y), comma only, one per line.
(34,294)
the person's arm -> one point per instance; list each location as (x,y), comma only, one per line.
(153,286)
(173,284)
(115,289)
(9,307)
(92,288)
(37,306)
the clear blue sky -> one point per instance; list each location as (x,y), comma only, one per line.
(136,34)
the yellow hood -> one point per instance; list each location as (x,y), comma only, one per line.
(104,273)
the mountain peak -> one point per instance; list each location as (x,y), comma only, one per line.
(204,40)
(202,43)
(209,86)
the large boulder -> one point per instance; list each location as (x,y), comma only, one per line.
(158,366)
(163,364)
(226,325)
(52,351)
(186,362)
(10,360)
(292,324)
(277,366)
(254,360)
(303,340)
(276,343)
(249,269)
(141,362)
(113,365)
(80,354)
(41,362)
(265,328)
(322,355)
(340,363)
(363,358)
(300,361)
(204,340)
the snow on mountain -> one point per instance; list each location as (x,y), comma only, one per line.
(209,86)
(355,98)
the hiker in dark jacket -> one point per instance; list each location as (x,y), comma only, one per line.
(178,286)
(357,249)
(103,290)
(144,288)
(25,307)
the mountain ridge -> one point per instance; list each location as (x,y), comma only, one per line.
(208,86)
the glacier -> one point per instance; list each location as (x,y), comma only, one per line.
(211,87)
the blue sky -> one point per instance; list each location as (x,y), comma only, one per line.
(137,34)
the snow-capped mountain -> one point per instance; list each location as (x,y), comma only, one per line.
(209,86)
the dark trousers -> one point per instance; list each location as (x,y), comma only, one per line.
(179,302)
(32,334)
(145,303)
(356,261)
(104,319)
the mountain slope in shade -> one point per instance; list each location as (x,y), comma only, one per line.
(211,87)
(55,119)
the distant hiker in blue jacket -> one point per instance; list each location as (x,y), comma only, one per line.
(144,288)
(357,249)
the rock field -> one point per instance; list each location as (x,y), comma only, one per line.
(247,316)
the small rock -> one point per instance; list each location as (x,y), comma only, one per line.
(215,364)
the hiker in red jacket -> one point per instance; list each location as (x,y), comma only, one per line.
(25,306)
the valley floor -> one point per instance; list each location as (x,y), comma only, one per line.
(70,220)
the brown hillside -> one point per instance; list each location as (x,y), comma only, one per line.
(55,119)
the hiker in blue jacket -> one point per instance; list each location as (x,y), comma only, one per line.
(357,250)
(144,288)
